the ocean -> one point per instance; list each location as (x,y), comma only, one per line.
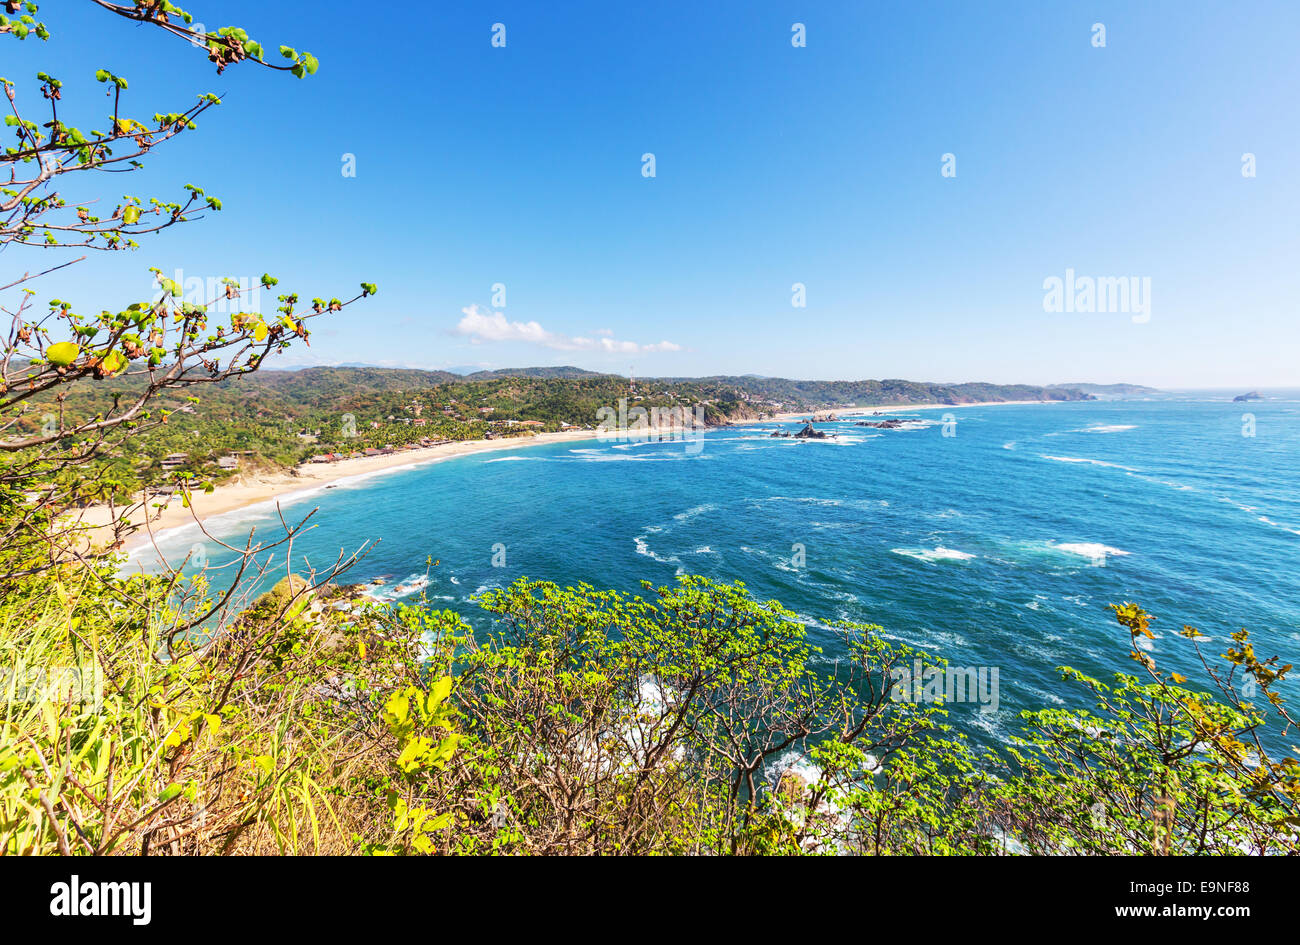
(993,536)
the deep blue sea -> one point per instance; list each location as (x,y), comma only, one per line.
(999,545)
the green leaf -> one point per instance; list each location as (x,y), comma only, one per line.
(63,353)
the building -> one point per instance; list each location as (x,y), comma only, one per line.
(174,461)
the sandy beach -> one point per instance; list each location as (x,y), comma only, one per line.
(250,489)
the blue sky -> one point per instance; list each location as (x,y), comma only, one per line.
(775,165)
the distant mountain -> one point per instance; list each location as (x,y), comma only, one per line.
(546,372)
(785,393)
(1109,390)
(326,381)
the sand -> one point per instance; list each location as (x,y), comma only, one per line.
(250,489)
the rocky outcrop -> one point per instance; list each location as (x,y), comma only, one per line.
(1242,398)
(891,424)
(808,433)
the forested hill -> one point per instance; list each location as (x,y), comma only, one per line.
(277,419)
(793,394)
(556,394)
(1110,390)
(316,386)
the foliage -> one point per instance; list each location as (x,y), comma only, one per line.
(694,720)
(155,714)
(51,459)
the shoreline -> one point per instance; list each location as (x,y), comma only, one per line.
(248,490)
(893,408)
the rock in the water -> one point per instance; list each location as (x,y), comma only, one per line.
(891,424)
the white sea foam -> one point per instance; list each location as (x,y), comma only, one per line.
(1108,428)
(797,763)
(932,555)
(643,548)
(671,457)
(404,588)
(1268,521)
(1090,462)
(233,523)
(692,512)
(814,500)
(1095,551)
(417,582)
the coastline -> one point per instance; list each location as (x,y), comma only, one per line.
(892,408)
(253,489)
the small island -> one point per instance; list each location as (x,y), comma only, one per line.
(1243,398)
(807,433)
(893,423)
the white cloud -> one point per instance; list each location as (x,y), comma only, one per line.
(480,325)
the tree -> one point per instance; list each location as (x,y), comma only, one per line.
(159,344)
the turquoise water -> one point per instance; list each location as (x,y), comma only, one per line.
(999,546)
